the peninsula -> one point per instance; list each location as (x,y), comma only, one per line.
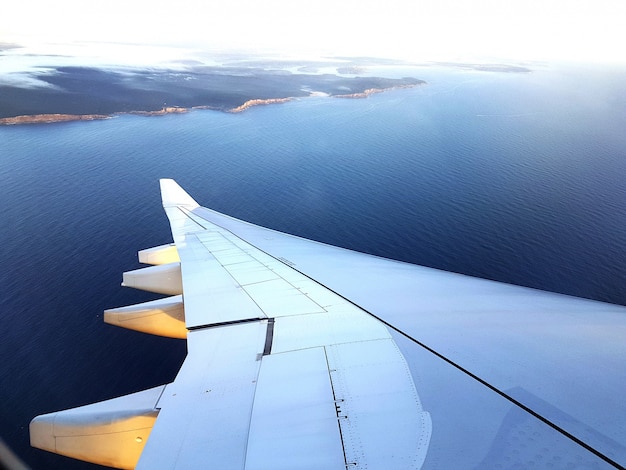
(90,93)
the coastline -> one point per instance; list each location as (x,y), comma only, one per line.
(259,102)
(372,91)
(51,118)
(57,117)
(364,93)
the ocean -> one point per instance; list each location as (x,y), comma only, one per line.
(517,177)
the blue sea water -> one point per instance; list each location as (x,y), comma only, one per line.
(514,177)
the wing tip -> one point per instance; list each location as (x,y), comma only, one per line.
(173,195)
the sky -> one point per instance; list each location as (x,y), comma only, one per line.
(582,30)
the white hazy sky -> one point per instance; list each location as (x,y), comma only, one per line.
(423,29)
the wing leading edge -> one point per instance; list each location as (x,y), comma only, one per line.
(281,372)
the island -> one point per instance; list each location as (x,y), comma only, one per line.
(71,93)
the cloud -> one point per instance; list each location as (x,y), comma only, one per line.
(443,29)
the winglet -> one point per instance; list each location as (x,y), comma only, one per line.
(173,195)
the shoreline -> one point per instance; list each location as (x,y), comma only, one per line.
(51,118)
(259,102)
(372,91)
(59,117)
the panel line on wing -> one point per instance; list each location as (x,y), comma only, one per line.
(338,411)
(186,212)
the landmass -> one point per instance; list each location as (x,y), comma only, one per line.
(226,82)
(71,93)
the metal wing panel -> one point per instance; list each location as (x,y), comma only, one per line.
(294,421)
(211,294)
(373,411)
(561,356)
(205,413)
(334,326)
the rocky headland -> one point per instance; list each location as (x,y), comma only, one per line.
(257,102)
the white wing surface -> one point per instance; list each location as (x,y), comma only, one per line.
(281,372)
(291,363)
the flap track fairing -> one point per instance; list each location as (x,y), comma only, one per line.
(162,317)
(162,279)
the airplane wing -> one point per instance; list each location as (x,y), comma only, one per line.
(305,355)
